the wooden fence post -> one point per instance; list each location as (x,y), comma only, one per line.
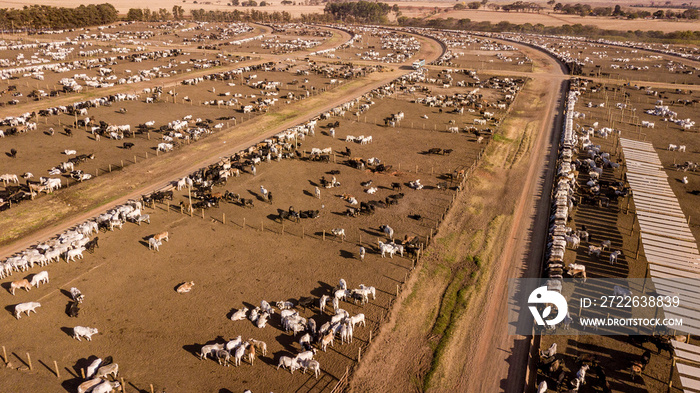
(262,227)
(123,385)
(4,354)
(151,388)
(370,335)
(243,222)
(202,213)
(359,354)
(223,220)
(324,235)
(29,360)
(397,290)
(58,374)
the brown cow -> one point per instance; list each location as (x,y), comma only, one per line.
(161,236)
(20,284)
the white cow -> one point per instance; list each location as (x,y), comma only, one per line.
(74,253)
(621,291)
(240,314)
(26,307)
(288,363)
(40,278)
(82,331)
(153,244)
(386,248)
(338,232)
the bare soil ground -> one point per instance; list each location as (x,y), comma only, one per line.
(110,154)
(234,269)
(472,229)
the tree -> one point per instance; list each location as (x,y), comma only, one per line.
(551,3)
(474,5)
(134,14)
(460,6)
(163,14)
(659,14)
(178,12)
(235,3)
(691,13)
(618,11)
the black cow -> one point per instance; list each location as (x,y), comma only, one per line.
(128,145)
(92,244)
(73,308)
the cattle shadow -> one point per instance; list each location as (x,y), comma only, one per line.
(7,286)
(10,155)
(71,385)
(193,349)
(249,305)
(322,289)
(275,217)
(67,294)
(144,242)
(82,363)
(257,196)
(11,309)
(308,193)
(69,331)
(224,390)
(313,183)
(373,232)
(347,254)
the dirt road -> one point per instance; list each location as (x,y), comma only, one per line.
(480,355)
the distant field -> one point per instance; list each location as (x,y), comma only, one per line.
(408,8)
(559,19)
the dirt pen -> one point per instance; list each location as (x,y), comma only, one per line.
(237,257)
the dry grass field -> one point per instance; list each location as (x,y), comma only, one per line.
(560,19)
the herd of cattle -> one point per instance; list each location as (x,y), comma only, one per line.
(312,330)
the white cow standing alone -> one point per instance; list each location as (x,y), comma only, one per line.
(82,331)
(26,307)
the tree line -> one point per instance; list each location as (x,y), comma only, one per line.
(359,11)
(39,17)
(578,29)
(587,10)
